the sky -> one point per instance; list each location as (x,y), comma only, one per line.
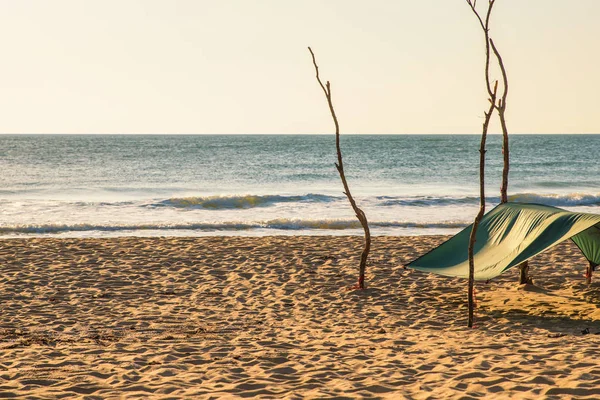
(242,66)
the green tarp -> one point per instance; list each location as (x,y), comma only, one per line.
(510,234)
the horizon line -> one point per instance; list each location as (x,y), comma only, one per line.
(285,134)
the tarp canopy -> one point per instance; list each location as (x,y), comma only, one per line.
(510,234)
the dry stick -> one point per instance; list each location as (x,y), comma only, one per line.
(485,26)
(590,271)
(486,122)
(488,116)
(362,218)
(501,107)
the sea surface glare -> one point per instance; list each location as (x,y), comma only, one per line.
(174,185)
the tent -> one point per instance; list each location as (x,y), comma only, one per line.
(510,234)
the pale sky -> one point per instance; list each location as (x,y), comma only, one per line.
(242,66)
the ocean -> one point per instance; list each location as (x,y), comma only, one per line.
(197,185)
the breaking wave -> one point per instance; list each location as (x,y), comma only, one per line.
(240,202)
(275,224)
(429,201)
(557,200)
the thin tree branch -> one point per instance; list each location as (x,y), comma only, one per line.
(362,218)
(473,5)
(502,102)
(488,115)
(485,27)
(473,236)
(501,107)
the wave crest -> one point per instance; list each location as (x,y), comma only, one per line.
(240,202)
(430,201)
(275,224)
(557,200)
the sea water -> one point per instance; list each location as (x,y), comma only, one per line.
(183,185)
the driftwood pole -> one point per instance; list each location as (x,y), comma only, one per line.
(362,218)
(486,122)
(590,271)
(486,31)
(501,108)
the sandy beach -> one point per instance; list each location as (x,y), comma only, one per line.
(235,317)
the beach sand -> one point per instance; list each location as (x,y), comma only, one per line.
(234,317)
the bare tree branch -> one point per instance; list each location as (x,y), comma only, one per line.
(501,107)
(485,26)
(502,102)
(482,151)
(362,218)
(488,115)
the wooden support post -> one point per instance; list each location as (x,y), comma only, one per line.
(524,273)
(360,215)
(487,116)
(589,271)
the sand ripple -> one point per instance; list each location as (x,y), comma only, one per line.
(271,317)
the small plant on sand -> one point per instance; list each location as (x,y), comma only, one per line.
(362,218)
